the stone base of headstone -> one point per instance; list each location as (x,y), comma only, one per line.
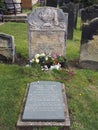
(89,65)
(62,123)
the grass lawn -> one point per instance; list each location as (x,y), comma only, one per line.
(81,87)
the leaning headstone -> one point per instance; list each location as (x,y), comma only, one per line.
(89,45)
(47,31)
(89,13)
(69,8)
(7,47)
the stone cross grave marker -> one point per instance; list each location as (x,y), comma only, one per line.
(47,29)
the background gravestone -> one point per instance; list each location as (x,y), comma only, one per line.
(89,45)
(89,13)
(7,48)
(47,31)
(69,8)
(76,9)
(52,3)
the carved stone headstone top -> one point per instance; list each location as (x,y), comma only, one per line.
(47,29)
(47,17)
(44,102)
(7,47)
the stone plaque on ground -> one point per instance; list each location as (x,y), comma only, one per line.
(47,29)
(7,47)
(44,102)
(51,99)
(89,45)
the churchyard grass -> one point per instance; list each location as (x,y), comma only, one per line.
(81,84)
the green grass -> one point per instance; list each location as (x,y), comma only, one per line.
(19,31)
(81,88)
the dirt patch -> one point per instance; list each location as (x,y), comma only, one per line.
(74,63)
(19,60)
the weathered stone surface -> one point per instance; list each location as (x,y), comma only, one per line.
(44,102)
(47,31)
(89,45)
(60,125)
(7,47)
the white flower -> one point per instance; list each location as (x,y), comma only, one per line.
(32,60)
(37,60)
(46,58)
(55,67)
(27,65)
(36,56)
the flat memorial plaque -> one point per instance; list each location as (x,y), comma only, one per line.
(44,102)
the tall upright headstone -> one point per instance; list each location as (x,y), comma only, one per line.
(76,9)
(47,29)
(89,45)
(69,8)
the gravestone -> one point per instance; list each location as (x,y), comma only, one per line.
(63,2)
(7,47)
(89,13)
(47,28)
(69,8)
(52,3)
(44,105)
(76,9)
(89,45)
(42,2)
(44,102)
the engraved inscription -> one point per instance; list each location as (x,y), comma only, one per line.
(44,102)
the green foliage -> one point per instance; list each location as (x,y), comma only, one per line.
(89,2)
(2,4)
(19,31)
(86,2)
